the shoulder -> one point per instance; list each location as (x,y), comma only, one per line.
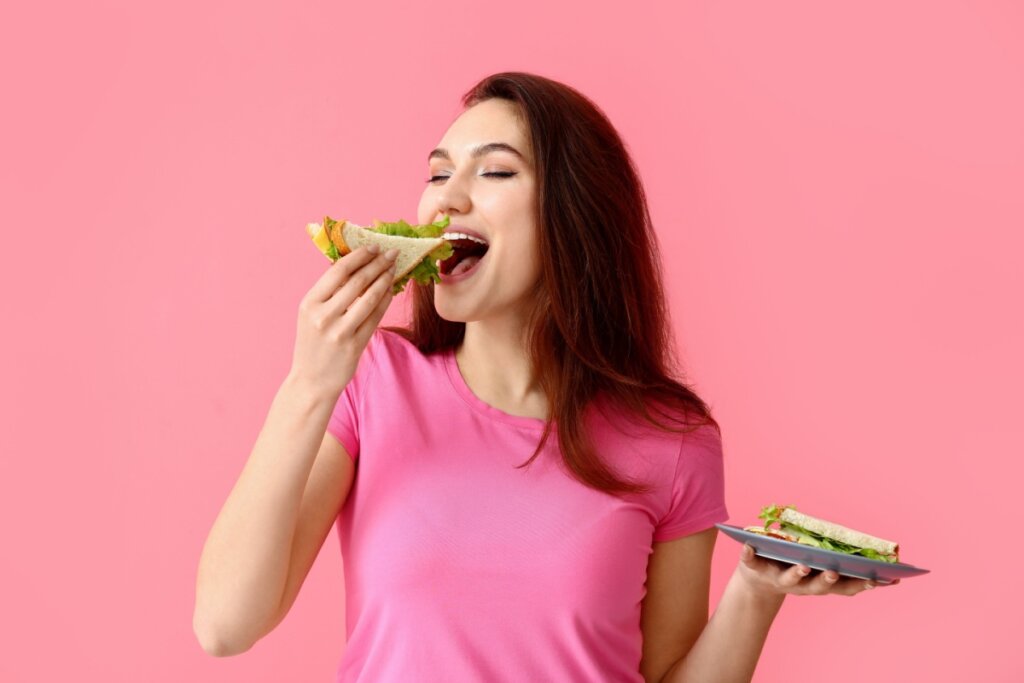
(688,430)
(706,437)
(696,432)
(700,453)
(391,342)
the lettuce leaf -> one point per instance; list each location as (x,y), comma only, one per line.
(839,546)
(403,229)
(771,513)
(332,251)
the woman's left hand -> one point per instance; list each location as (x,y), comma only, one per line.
(768,577)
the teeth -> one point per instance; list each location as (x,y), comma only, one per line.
(463,236)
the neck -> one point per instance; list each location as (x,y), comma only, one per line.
(496,365)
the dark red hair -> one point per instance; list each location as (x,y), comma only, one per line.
(599,325)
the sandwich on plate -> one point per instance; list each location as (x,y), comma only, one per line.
(420,247)
(797,527)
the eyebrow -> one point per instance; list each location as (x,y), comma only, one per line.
(478,151)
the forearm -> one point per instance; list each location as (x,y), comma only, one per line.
(244,565)
(730,644)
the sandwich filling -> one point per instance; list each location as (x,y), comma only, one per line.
(823,534)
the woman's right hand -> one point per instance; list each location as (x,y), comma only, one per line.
(338,316)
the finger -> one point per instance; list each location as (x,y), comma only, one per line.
(340,271)
(367,303)
(823,583)
(848,585)
(757,563)
(370,324)
(357,285)
(792,577)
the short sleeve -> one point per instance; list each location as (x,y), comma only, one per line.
(343,424)
(697,500)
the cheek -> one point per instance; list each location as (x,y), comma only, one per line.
(423,211)
(534,268)
(522,262)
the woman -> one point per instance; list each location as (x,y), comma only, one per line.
(536,494)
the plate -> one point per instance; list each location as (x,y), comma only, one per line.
(819,558)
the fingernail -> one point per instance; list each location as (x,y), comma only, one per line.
(830,578)
(803,571)
(869,585)
(373,248)
(391,253)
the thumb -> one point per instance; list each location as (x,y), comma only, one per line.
(747,554)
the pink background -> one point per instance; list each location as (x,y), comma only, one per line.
(838,188)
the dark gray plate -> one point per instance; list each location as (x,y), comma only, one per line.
(819,558)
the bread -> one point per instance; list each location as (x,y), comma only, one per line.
(838,532)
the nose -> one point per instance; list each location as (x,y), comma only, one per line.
(453,197)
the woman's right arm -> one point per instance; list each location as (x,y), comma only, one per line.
(245,563)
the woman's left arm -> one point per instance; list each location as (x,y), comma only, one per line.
(729,645)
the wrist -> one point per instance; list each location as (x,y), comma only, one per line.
(755,595)
(308,390)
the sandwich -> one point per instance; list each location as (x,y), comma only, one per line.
(419,247)
(797,527)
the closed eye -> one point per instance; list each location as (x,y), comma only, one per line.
(499,174)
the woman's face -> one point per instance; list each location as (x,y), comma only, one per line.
(493,195)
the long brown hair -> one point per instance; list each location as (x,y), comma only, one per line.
(599,323)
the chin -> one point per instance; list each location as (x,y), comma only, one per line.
(450,311)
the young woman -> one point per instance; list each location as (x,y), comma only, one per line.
(524,490)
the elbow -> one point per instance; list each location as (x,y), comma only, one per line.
(215,645)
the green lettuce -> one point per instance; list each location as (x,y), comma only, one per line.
(771,513)
(403,229)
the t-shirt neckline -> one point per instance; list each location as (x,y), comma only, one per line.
(477,404)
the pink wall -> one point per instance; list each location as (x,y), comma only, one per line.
(838,188)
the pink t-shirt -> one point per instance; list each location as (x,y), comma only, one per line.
(460,567)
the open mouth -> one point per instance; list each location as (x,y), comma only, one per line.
(466,253)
